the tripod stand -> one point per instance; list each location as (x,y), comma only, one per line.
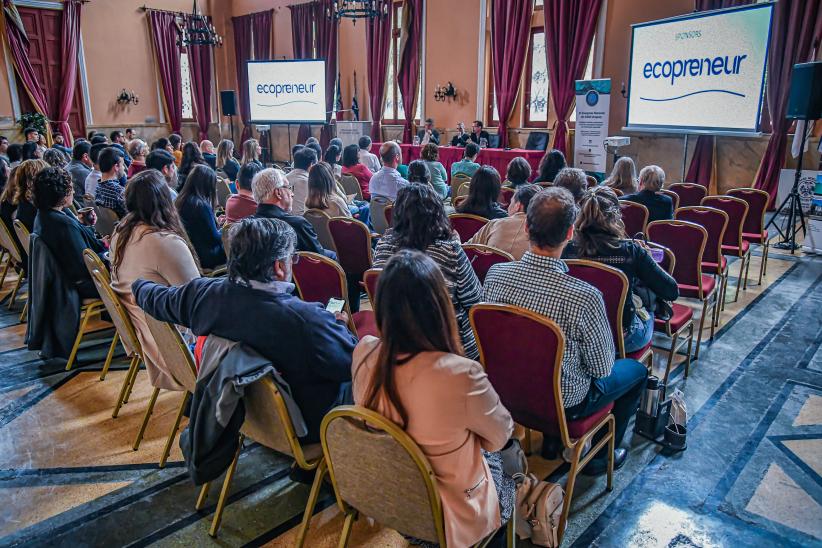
(794,205)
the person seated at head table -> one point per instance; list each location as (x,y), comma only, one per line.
(428,134)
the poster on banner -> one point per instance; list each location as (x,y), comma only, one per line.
(593,108)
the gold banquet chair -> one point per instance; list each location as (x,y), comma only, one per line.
(377,470)
(15,261)
(25,239)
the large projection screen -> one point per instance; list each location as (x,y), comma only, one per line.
(287,92)
(701,73)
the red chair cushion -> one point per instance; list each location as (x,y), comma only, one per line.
(755,238)
(692,291)
(682,314)
(711,268)
(579,427)
(638,353)
(734,250)
(365,322)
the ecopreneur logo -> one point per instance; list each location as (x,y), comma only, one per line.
(286,89)
(685,68)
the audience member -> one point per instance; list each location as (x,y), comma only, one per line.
(55,158)
(321,194)
(4,147)
(31,135)
(337,142)
(311,141)
(573,180)
(196,204)
(518,172)
(508,233)
(550,165)
(93,178)
(387,180)
(24,198)
(191,157)
(352,165)
(251,152)
(130,135)
(318,151)
(207,150)
(118,141)
(428,134)
(591,378)
(482,195)
(332,158)
(295,149)
(623,176)
(468,165)
(660,207)
(419,379)
(163,161)
(242,205)
(315,361)
(439,177)
(42,145)
(226,161)
(175,142)
(420,223)
(368,159)
(15,154)
(418,172)
(8,207)
(138,150)
(98,139)
(31,151)
(59,143)
(109,192)
(80,167)
(149,243)
(298,179)
(161,144)
(5,171)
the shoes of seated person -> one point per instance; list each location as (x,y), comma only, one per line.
(550,448)
(598,466)
(299,475)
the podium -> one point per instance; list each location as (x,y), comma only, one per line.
(350,131)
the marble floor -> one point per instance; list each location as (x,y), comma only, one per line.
(751,476)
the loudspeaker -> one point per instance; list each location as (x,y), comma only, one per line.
(805,99)
(227,103)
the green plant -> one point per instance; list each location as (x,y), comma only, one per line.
(33,119)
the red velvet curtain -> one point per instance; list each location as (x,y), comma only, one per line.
(164,37)
(199,58)
(569,30)
(377,45)
(408,71)
(262,22)
(242,54)
(302,40)
(796,26)
(326,39)
(70,42)
(510,24)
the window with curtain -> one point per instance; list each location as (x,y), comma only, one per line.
(393,112)
(185,79)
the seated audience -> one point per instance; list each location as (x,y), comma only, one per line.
(573,180)
(130,135)
(274,197)
(4,147)
(482,195)
(439,177)
(419,379)
(118,141)
(298,178)
(315,361)
(387,180)
(8,206)
(332,157)
(65,235)
(163,161)
(508,233)
(428,134)
(420,223)
(623,176)
(368,159)
(226,161)
(352,165)
(31,151)
(31,134)
(138,150)
(321,192)
(337,142)
(109,192)
(15,155)
(518,172)
(4,173)
(98,139)
(150,243)
(418,172)
(191,157)
(24,196)
(59,143)
(162,144)
(591,377)
(550,165)
(315,146)
(251,152)
(660,207)
(242,205)
(196,204)
(468,165)
(207,150)
(175,147)
(93,178)
(55,158)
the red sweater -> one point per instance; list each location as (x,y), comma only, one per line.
(363,175)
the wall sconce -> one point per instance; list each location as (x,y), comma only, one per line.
(127,97)
(449,92)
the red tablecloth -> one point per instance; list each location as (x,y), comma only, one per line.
(496,157)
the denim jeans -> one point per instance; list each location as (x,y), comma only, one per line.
(639,334)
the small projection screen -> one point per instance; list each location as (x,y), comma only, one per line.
(701,73)
(287,92)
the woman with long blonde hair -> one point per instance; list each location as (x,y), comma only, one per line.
(623,176)
(226,161)
(24,193)
(251,152)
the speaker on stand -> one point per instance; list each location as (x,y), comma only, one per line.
(228,104)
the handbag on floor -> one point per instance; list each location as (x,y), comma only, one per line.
(539,507)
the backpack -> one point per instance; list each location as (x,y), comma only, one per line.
(539,508)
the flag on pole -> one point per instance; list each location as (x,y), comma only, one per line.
(355,105)
(338,104)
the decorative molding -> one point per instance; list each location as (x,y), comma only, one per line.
(482,69)
(599,42)
(43,4)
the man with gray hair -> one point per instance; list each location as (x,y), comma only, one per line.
(660,207)
(387,180)
(573,180)
(275,197)
(254,305)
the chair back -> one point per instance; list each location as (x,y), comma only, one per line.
(352,240)
(466,225)
(88,200)
(456,182)
(377,213)
(634,217)
(714,221)
(107,219)
(617,192)
(506,194)
(351,185)
(376,468)
(525,375)
(318,278)
(114,307)
(22,234)
(687,241)
(483,257)
(537,140)
(389,215)
(175,352)
(223,192)
(319,220)
(614,286)
(672,195)
(737,211)
(225,234)
(7,242)
(493,140)
(369,279)
(690,194)
(757,201)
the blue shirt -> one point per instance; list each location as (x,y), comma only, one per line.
(386,182)
(465,166)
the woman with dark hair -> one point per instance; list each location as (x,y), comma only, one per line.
(191,157)
(196,204)
(420,223)
(418,379)
(439,177)
(482,195)
(65,235)
(518,172)
(55,158)
(550,165)
(332,158)
(599,235)
(24,193)
(418,172)
(150,243)
(321,192)
(351,166)
(31,151)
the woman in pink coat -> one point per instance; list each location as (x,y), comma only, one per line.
(415,376)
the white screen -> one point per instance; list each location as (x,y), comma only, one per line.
(287,91)
(700,72)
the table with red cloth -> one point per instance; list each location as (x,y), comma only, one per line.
(496,157)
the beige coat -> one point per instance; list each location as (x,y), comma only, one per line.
(160,257)
(453,412)
(507,234)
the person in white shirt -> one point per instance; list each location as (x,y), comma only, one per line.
(387,181)
(93,178)
(368,159)
(298,178)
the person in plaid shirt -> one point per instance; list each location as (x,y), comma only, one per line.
(110,193)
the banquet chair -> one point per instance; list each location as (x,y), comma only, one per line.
(223,192)
(352,240)
(506,194)
(614,286)
(269,423)
(351,185)
(672,195)
(378,470)
(715,222)
(370,281)
(457,181)
(14,261)
(107,219)
(225,236)
(634,217)
(753,231)
(732,243)
(466,225)
(690,194)
(483,257)
(24,237)
(527,377)
(377,213)
(687,241)
(537,140)
(388,212)
(319,220)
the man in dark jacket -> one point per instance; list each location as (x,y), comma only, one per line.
(309,346)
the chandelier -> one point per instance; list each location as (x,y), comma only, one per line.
(357,9)
(196,30)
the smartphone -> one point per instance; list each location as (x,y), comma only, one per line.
(335,305)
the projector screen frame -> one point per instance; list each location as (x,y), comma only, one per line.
(702,130)
(283,122)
